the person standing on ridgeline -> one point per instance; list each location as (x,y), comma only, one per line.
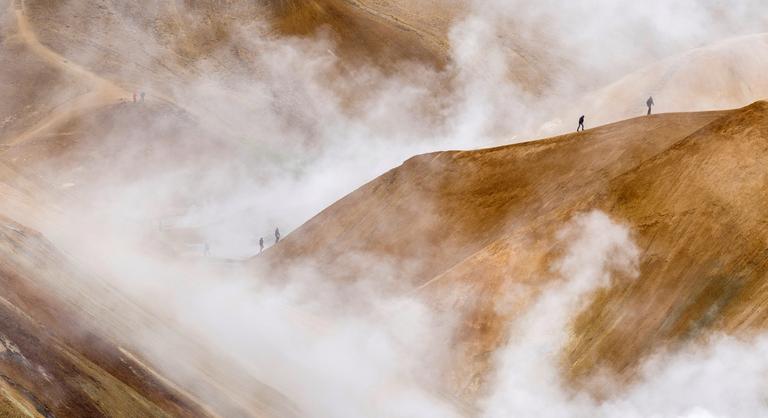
(261,245)
(142,96)
(650,103)
(581,124)
(277,235)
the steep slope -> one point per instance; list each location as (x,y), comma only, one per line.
(51,367)
(30,86)
(170,48)
(69,342)
(93,56)
(142,38)
(459,227)
(519,182)
(466,228)
(699,212)
(364,28)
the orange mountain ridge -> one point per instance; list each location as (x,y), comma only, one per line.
(464,226)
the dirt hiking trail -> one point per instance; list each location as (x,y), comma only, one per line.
(102,92)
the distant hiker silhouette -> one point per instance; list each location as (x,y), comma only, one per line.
(261,245)
(277,235)
(581,124)
(650,103)
(142,96)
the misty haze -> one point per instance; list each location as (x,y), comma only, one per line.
(384,208)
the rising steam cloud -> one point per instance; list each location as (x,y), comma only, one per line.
(723,378)
(518,70)
(296,148)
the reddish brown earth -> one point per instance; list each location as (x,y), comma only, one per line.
(465,226)
(458,227)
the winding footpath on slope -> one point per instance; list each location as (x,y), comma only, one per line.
(102,92)
(421,32)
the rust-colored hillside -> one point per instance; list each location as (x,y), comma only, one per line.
(457,228)
(463,227)
(49,366)
(162,40)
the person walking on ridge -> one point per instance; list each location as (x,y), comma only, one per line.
(581,124)
(261,245)
(142,96)
(650,104)
(277,235)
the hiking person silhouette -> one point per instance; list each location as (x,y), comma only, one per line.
(261,245)
(650,103)
(581,124)
(277,235)
(142,96)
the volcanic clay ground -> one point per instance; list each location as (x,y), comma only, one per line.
(461,227)
(690,186)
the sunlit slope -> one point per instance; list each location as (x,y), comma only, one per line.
(699,211)
(463,201)
(165,37)
(475,232)
(29,86)
(365,28)
(69,59)
(166,47)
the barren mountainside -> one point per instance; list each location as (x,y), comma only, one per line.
(471,233)
(690,187)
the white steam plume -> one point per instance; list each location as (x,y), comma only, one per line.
(527,377)
(298,149)
(724,378)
